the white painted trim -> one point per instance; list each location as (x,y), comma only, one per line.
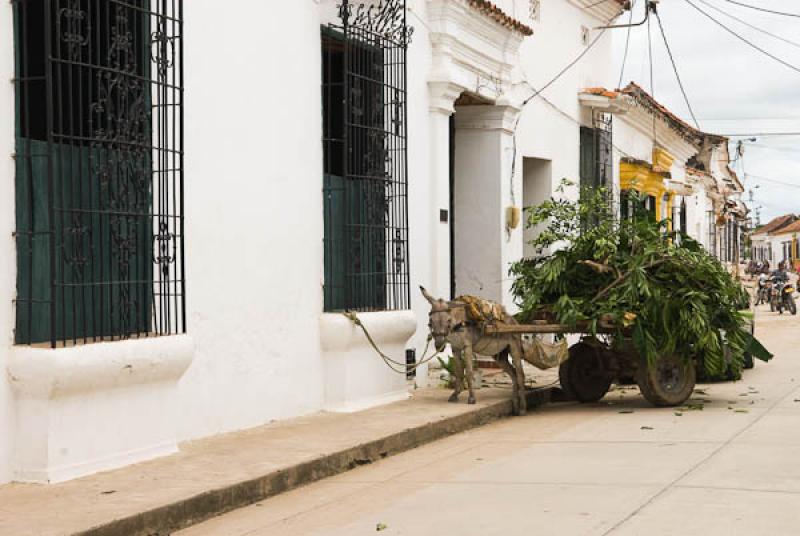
(338,333)
(642,120)
(617,105)
(66,472)
(52,373)
(480,117)
(470,50)
(95,407)
(601,11)
(356,377)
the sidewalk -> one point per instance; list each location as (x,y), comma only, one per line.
(216,475)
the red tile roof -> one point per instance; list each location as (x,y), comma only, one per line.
(695,171)
(791,228)
(601,91)
(494,12)
(637,92)
(776,224)
(491,10)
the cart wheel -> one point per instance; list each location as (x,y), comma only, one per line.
(583,375)
(669,382)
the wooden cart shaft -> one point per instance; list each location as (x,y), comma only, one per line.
(582,326)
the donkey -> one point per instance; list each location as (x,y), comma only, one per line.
(449,324)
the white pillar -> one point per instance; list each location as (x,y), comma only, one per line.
(487,185)
(443,97)
(435,276)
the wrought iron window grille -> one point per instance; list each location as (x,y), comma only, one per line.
(596,158)
(99,170)
(596,166)
(365,151)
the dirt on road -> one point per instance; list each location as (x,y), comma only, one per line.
(728,462)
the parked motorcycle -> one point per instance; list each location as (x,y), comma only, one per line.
(783,297)
(764,294)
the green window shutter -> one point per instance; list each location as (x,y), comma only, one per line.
(355,195)
(88,303)
(588,158)
(71,283)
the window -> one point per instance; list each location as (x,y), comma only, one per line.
(596,152)
(683,216)
(99,160)
(365,158)
(712,233)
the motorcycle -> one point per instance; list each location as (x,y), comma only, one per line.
(783,297)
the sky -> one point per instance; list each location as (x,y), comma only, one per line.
(732,88)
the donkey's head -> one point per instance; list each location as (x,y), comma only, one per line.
(440,320)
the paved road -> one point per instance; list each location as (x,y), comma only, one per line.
(617,467)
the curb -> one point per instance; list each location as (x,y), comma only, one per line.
(179,515)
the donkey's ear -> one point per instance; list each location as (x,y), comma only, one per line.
(428,297)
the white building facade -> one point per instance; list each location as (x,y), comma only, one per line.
(776,241)
(192,197)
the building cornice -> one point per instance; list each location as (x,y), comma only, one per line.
(602,11)
(470,50)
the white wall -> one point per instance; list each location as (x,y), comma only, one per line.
(552,132)
(7,246)
(537,176)
(478,210)
(544,132)
(423,213)
(253,214)
(254,255)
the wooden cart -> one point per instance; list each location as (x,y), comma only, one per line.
(593,366)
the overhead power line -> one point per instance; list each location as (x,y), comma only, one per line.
(756,28)
(745,40)
(627,43)
(760,134)
(765,10)
(767,179)
(752,118)
(675,69)
(569,66)
(537,92)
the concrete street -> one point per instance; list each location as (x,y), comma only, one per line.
(728,464)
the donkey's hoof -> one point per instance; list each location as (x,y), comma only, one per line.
(471,400)
(453,398)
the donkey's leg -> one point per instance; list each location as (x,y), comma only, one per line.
(502,360)
(515,346)
(458,370)
(468,359)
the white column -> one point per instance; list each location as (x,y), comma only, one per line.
(486,187)
(443,97)
(434,238)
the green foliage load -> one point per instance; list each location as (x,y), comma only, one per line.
(660,290)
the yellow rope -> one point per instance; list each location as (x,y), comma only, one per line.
(386,359)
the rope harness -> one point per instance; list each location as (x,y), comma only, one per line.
(391,363)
